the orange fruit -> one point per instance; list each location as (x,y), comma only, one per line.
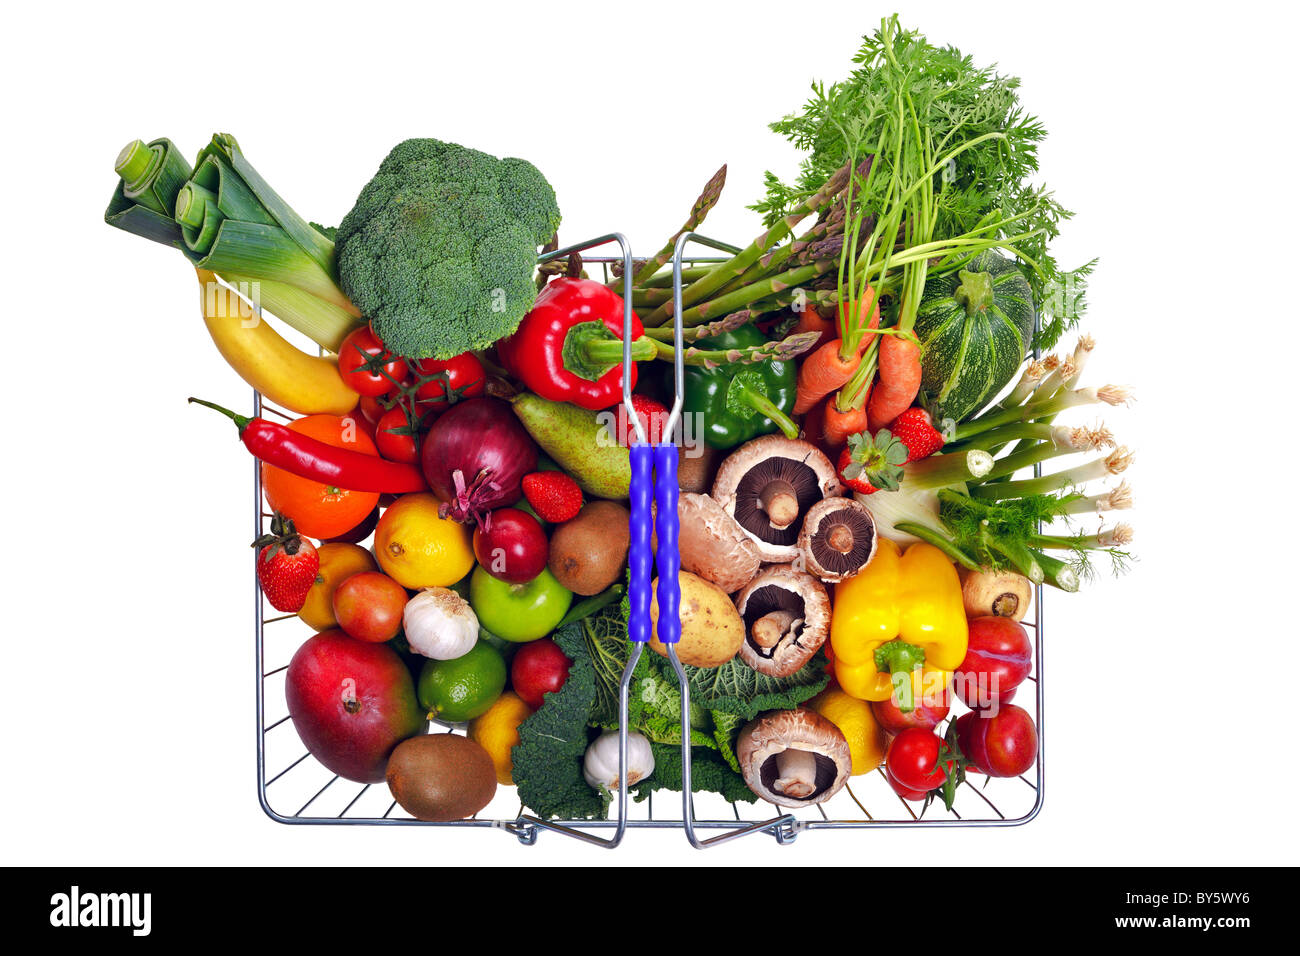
(338,562)
(319,510)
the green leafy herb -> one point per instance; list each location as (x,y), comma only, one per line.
(953,157)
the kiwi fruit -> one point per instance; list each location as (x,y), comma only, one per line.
(588,551)
(441,777)
(696,468)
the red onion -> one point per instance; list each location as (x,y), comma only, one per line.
(474,458)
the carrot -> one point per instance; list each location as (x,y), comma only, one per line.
(898,382)
(810,320)
(814,424)
(824,371)
(840,425)
(821,373)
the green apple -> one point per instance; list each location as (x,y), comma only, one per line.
(519,612)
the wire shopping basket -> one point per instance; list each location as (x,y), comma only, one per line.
(294,788)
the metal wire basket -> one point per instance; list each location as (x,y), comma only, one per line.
(294,788)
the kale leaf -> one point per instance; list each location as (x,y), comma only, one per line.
(547,761)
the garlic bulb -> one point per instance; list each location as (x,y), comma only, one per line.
(440,624)
(600,763)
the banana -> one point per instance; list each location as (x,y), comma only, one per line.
(283,373)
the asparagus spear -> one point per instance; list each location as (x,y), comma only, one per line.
(707,199)
(737,265)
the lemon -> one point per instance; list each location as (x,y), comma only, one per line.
(858,725)
(498,730)
(417,548)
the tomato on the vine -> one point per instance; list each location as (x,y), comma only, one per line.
(373,407)
(912,763)
(367,367)
(394,438)
(462,375)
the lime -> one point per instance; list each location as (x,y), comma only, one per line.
(464,687)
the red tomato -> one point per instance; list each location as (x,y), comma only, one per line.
(928,714)
(999,656)
(369,606)
(912,763)
(462,374)
(372,408)
(367,367)
(393,440)
(1001,744)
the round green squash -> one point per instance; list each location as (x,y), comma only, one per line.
(975,327)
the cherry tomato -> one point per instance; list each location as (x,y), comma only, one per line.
(393,440)
(929,713)
(372,408)
(463,374)
(367,367)
(912,763)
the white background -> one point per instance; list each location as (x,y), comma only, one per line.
(128,712)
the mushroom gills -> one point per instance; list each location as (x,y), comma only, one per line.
(798,774)
(771,497)
(772,615)
(843,542)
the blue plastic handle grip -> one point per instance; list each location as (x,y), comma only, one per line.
(638,552)
(667,559)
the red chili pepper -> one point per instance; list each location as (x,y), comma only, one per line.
(308,458)
(569,348)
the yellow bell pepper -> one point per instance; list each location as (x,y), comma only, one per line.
(898,627)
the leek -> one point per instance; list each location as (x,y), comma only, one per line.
(225,218)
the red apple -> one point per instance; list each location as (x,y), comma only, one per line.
(351,703)
(513,547)
(538,668)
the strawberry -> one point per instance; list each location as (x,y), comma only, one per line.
(868,464)
(914,429)
(286,565)
(652,415)
(553,495)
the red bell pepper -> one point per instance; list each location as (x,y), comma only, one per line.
(569,348)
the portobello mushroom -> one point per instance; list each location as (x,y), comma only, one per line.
(768,485)
(712,545)
(794,758)
(838,538)
(787,616)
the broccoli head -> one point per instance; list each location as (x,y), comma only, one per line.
(439,250)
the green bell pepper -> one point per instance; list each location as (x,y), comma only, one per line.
(740,401)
